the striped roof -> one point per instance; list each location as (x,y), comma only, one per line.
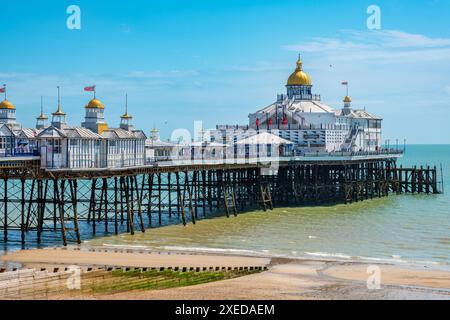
(358,114)
(80,133)
(29,133)
(118,133)
(264,138)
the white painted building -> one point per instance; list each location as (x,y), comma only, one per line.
(313,126)
(93,145)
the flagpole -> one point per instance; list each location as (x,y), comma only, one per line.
(4,87)
(59,99)
(94,90)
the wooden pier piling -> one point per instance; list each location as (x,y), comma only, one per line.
(34,201)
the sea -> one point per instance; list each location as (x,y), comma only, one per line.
(403,229)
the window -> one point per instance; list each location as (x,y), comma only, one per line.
(57,146)
(2,143)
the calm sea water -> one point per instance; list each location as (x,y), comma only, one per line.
(406,228)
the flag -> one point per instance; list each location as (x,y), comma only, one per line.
(89,88)
(2,90)
(345,83)
(270,122)
(257,122)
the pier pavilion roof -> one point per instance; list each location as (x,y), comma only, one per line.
(51,133)
(119,133)
(139,134)
(358,114)
(206,144)
(27,133)
(298,106)
(150,143)
(80,133)
(264,138)
(5,130)
(68,132)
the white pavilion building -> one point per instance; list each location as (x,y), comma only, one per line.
(313,126)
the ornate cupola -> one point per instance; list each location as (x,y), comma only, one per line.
(299,83)
(347,102)
(347,105)
(125,119)
(7,111)
(59,117)
(41,120)
(94,118)
(154,134)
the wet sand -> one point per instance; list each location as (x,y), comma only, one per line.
(285,279)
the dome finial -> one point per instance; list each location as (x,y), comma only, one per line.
(299,63)
(299,77)
(42,116)
(126,115)
(59,112)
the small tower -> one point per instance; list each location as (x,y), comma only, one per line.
(347,100)
(347,105)
(59,117)
(125,119)
(94,118)
(154,134)
(7,112)
(299,83)
(41,120)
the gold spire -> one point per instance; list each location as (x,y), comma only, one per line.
(42,116)
(347,99)
(299,77)
(59,112)
(126,115)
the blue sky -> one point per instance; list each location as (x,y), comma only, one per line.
(217,61)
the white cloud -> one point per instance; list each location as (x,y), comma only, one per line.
(377,46)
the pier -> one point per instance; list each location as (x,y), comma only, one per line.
(72,182)
(36,201)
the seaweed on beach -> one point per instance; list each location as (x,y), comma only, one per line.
(121,281)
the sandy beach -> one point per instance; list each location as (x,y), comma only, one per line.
(284,279)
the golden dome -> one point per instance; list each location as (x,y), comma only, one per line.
(298,77)
(347,99)
(5,104)
(95,104)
